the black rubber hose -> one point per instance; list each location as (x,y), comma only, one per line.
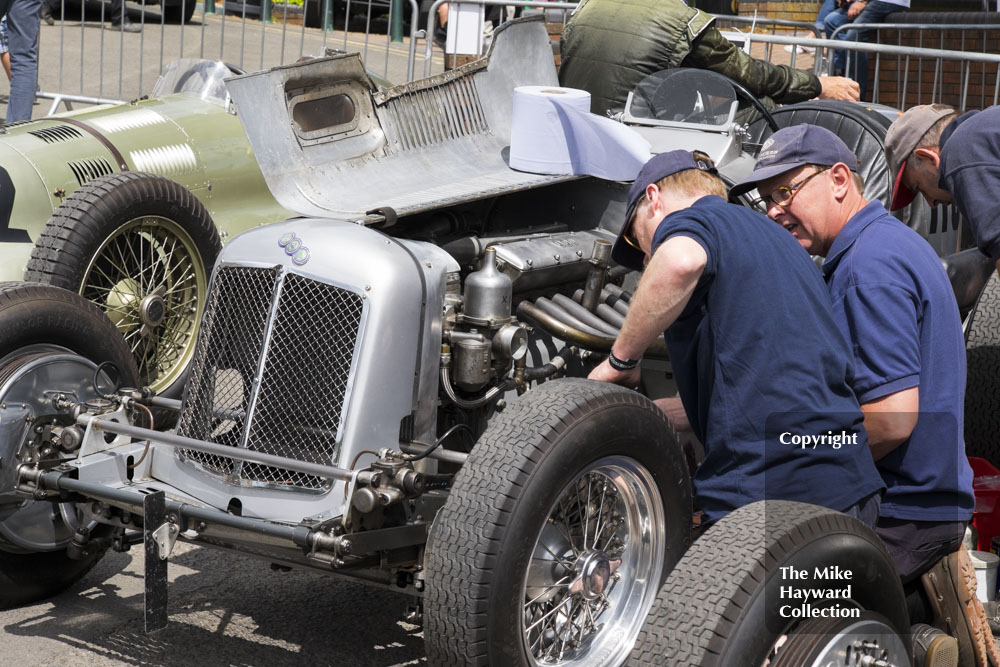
(546,370)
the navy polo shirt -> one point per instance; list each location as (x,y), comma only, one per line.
(761,367)
(970,171)
(892,297)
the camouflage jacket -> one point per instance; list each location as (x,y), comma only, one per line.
(609,46)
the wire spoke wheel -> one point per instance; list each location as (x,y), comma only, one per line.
(867,640)
(559,528)
(141,247)
(588,567)
(148,279)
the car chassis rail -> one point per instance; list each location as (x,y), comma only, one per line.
(164,520)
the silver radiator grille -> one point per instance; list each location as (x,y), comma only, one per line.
(305,353)
(434,115)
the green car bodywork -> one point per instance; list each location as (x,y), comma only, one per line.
(188,133)
(196,142)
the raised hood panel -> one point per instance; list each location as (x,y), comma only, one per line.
(330,147)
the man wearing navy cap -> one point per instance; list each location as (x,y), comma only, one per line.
(892,299)
(777,417)
(948,157)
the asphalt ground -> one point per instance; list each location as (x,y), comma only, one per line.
(80,58)
(224,609)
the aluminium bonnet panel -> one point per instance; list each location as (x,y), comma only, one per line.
(328,147)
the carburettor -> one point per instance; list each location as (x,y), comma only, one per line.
(482,340)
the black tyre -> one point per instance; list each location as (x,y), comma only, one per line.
(141,247)
(176,13)
(722,604)
(39,319)
(571,508)
(982,390)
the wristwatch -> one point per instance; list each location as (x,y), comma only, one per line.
(622,364)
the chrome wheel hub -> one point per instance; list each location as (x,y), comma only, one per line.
(595,574)
(594,567)
(152,311)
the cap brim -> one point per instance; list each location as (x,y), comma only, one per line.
(758,175)
(621,251)
(901,195)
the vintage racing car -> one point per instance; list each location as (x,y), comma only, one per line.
(99,201)
(388,386)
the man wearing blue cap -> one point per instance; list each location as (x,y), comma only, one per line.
(726,286)
(892,299)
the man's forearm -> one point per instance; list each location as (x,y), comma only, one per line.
(662,294)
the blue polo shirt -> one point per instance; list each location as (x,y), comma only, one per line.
(761,367)
(970,171)
(891,296)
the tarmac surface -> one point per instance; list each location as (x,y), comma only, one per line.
(224,609)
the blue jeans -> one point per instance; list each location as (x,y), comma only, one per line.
(874,12)
(828,6)
(23,20)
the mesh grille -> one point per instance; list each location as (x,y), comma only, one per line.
(434,115)
(304,380)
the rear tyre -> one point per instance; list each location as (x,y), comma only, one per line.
(40,318)
(722,604)
(141,247)
(571,508)
(177,13)
(982,391)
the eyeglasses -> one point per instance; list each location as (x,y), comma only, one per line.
(784,195)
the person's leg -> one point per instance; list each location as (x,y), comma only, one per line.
(834,20)
(23,23)
(874,12)
(827,7)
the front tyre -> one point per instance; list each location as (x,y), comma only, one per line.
(38,321)
(567,515)
(722,605)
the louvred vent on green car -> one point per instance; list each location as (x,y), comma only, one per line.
(90,168)
(53,135)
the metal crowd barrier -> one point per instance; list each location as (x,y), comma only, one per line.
(899,71)
(771,26)
(948,89)
(79,62)
(82,63)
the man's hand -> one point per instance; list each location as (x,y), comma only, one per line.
(674,410)
(605,373)
(856,8)
(839,88)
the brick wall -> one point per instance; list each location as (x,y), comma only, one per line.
(793,11)
(918,75)
(921,75)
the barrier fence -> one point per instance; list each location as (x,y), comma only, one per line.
(82,63)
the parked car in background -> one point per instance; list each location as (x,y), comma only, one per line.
(76,208)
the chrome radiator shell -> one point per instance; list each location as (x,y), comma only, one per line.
(315,360)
